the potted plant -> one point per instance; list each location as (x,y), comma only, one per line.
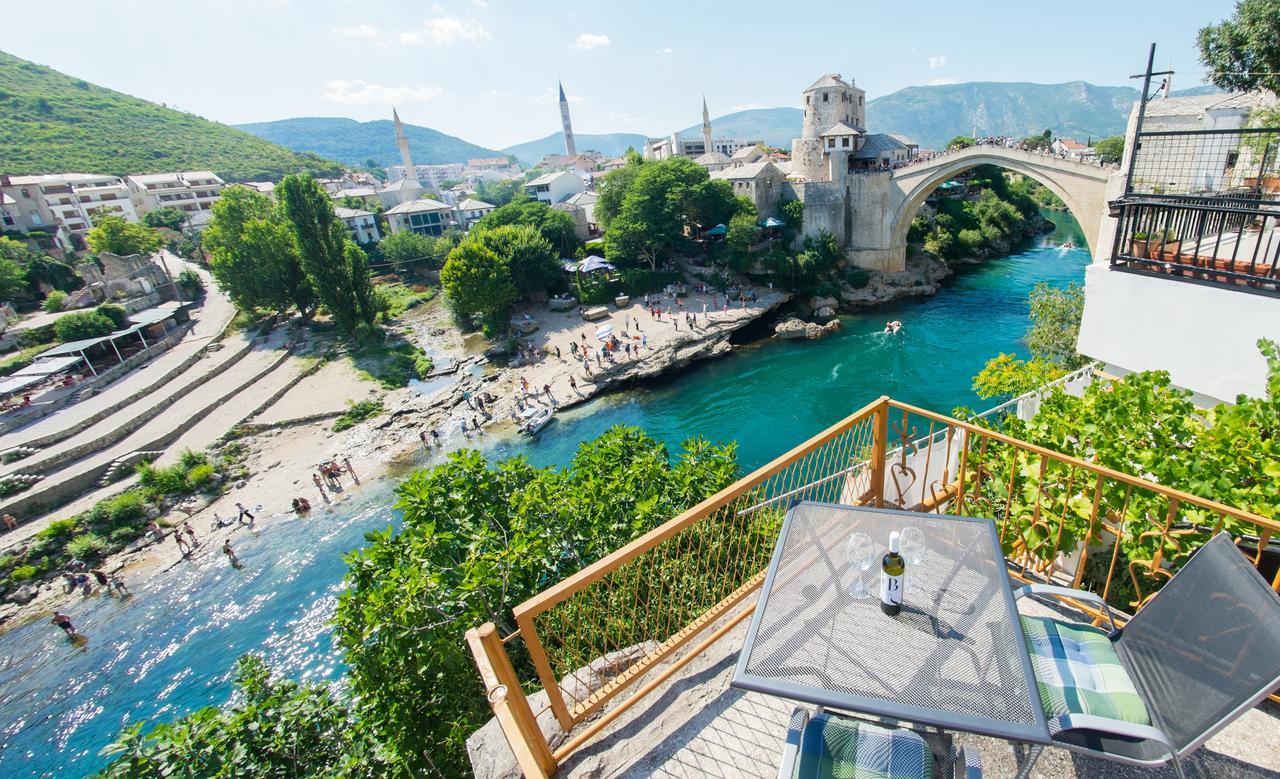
(1163,244)
(1140,243)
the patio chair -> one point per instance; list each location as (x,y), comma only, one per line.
(828,745)
(1202,652)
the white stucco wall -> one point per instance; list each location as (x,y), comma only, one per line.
(1205,337)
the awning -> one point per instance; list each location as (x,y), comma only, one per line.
(49,366)
(604,331)
(717,230)
(76,347)
(150,316)
(12,385)
(594,263)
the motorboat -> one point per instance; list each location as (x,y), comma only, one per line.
(535,418)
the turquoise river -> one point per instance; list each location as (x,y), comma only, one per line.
(171,648)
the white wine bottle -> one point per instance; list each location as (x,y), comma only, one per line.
(891,568)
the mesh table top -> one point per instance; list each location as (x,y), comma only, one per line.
(954,657)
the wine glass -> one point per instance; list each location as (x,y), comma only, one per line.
(859,553)
(911,544)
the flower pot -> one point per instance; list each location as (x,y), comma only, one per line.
(1139,247)
(1161,250)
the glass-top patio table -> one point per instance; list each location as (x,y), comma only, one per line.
(954,657)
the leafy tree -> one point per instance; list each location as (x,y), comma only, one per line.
(660,201)
(337,268)
(407,250)
(960,142)
(477,538)
(277,728)
(1041,141)
(1110,150)
(253,254)
(1055,324)
(743,233)
(499,193)
(939,242)
(478,283)
(612,187)
(81,325)
(191,283)
(119,236)
(172,218)
(556,226)
(997,219)
(792,212)
(1242,53)
(13,277)
(56,301)
(530,259)
(1005,376)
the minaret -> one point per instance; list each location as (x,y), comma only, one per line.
(706,127)
(569,148)
(410,172)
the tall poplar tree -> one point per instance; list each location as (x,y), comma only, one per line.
(337,268)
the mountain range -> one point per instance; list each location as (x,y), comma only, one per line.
(361,143)
(54,123)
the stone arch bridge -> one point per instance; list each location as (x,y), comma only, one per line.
(879,240)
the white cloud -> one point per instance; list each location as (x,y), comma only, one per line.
(588,41)
(937,82)
(937,61)
(623,117)
(358,92)
(446,30)
(747,106)
(360,31)
(479,3)
(666,50)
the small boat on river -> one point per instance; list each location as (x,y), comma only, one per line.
(535,418)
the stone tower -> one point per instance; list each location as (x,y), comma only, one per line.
(410,172)
(706,128)
(830,102)
(569,148)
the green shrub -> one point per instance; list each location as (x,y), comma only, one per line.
(121,536)
(60,529)
(169,480)
(126,507)
(55,301)
(24,573)
(116,313)
(858,277)
(357,413)
(199,476)
(190,282)
(82,325)
(189,459)
(86,546)
(10,486)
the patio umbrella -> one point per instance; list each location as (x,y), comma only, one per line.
(717,230)
(569,265)
(594,263)
(771,222)
(603,332)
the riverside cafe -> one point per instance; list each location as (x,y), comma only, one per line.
(56,371)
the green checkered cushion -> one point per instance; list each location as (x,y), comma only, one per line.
(1078,672)
(842,748)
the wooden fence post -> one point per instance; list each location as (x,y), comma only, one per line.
(509,703)
(879,449)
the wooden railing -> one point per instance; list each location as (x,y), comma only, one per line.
(644,611)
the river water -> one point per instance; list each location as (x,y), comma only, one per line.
(171,649)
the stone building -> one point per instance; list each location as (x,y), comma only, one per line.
(111,277)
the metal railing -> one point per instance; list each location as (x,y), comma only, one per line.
(1232,242)
(616,630)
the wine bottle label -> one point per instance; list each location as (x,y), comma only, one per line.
(890,588)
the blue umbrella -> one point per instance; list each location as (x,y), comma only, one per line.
(771,222)
(717,230)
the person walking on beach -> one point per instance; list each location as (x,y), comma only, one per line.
(64,622)
(644,340)
(191,534)
(435,437)
(546,389)
(230,553)
(573,385)
(118,583)
(558,352)
(573,348)
(103,581)
(315,477)
(524,385)
(346,462)
(244,512)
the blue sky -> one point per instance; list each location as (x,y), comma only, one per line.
(485,70)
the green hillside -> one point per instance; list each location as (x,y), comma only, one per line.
(355,143)
(610,145)
(53,123)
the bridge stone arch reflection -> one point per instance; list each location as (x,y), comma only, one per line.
(1081,186)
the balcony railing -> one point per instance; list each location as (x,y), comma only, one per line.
(616,630)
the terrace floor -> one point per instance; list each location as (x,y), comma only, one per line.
(695,725)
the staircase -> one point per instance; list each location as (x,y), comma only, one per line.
(124,463)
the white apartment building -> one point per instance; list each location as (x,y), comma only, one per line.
(553,188)
(729,146)
(424,217)
(191,191)
(362,224)
(471,211)
(432,176)
(71,200)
